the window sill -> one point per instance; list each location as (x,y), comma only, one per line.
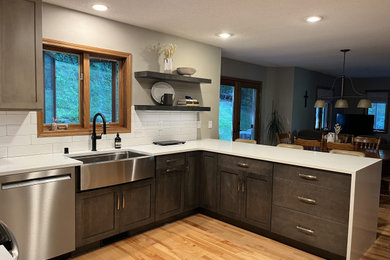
(73,132)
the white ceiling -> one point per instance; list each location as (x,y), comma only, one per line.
(270,32)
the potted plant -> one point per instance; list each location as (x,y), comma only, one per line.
(275,125)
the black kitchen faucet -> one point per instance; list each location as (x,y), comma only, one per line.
(94,136)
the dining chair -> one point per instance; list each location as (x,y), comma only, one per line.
(313,145)
(354,153)
(339,146)
(292,146)
(283,138)
(366,143)
(245,141)
(345,138)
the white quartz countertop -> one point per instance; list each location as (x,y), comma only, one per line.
(17,165)
(318,160)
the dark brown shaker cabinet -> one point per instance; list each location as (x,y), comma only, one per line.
(245,190)
(191,181)
(108,211)
(21,75)
(170,171)
(208,181)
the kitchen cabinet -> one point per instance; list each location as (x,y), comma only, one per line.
(137,205)
(170,171)
(311,206)
(191,181)
(208,181)
(245,190)
(108,211)
(21,75)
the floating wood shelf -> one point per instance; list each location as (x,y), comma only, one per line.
(169,77)
(170,108)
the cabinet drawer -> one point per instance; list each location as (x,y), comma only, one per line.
(245,165)
(172,160)
(311,199)
(331,180)
(313,231)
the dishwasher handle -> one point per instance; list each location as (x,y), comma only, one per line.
(26,183)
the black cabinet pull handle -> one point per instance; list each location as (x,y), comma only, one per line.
(306,231)
(171,160)
(170,170)
(243,165)
(307,200)
(308,177)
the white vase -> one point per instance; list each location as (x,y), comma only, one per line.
(168,65)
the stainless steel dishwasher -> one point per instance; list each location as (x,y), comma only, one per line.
(39,208)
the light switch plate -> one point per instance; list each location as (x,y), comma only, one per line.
(210,124)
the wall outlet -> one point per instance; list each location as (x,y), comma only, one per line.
(210,124)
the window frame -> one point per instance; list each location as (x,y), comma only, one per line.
(379,131)
(329,110)
(85,127)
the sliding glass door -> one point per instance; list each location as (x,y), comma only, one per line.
(239,109)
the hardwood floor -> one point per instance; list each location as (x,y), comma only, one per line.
(202,237)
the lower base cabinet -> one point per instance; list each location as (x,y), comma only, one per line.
(208,181)
(234,188)
(109,211)
(245,190)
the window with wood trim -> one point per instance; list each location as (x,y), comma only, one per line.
(80,81)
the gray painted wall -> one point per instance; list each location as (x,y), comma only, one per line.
(277,89)
(303,117)
(80,28)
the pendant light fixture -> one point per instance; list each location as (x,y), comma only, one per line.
(341,101)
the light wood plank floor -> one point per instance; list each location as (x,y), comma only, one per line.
(202,237)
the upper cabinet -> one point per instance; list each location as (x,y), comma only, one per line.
(21,76)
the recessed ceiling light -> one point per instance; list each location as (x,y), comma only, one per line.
(313,19)
(100,8)
(224,35)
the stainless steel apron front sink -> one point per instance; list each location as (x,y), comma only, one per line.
(109,169)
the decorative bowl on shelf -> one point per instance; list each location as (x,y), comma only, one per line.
(185,71)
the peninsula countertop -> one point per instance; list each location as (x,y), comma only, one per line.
(317,160)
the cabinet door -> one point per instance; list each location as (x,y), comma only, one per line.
(191,181)
(21,76)
(169,192)
(137,204)
(257,200)
(230,194)
(96,215)
(208,181)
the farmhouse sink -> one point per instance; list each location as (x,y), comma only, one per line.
(103,170)
(106,157)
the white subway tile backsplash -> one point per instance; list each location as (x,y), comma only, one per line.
(18,133)
(80,138)
(33,118)
(3,130)
(3,119)
(50,140)
(3,152)
(23,150)
(15,140)
(23,129)
(17,119)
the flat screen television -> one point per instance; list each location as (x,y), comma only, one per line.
(356,124)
